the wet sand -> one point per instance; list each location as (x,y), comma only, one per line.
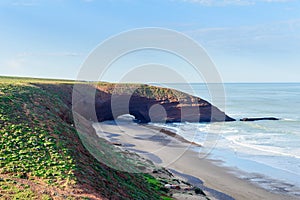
(168,152)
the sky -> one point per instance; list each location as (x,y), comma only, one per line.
(248,40)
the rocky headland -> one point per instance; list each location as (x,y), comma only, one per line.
(147,104)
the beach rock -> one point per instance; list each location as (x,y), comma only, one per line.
(258,119)
(172,186)
(188,188)
(199,191)
(117,144)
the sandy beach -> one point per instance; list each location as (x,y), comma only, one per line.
(169,152)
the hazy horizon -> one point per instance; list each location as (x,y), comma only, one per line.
(53,78)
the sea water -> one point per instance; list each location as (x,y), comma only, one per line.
(266,153)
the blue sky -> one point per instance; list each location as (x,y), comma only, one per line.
(248,40)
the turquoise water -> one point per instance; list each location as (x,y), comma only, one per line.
(264,152)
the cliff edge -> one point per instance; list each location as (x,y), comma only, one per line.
(153,104)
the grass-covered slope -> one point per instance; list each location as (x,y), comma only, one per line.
(41,155)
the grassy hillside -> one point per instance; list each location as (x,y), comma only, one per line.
(41,155)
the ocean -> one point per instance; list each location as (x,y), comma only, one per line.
(266,153)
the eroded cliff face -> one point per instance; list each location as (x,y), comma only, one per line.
(153,104)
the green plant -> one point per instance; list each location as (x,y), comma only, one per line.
(38,144)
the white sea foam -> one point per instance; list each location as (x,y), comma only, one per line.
(268,148)
(262,149)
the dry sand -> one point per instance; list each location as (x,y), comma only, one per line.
(173,154)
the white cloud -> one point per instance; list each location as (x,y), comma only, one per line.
(25,2)
(15,64)
(281,36)
(58,54)
(220,2)
(25,59)
(233,2)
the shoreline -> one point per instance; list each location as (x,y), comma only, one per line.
(167,151)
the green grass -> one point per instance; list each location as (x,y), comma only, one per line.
(147,91)
(14,191)
(39,144)
(22,80)
(166,198)
(28,146)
